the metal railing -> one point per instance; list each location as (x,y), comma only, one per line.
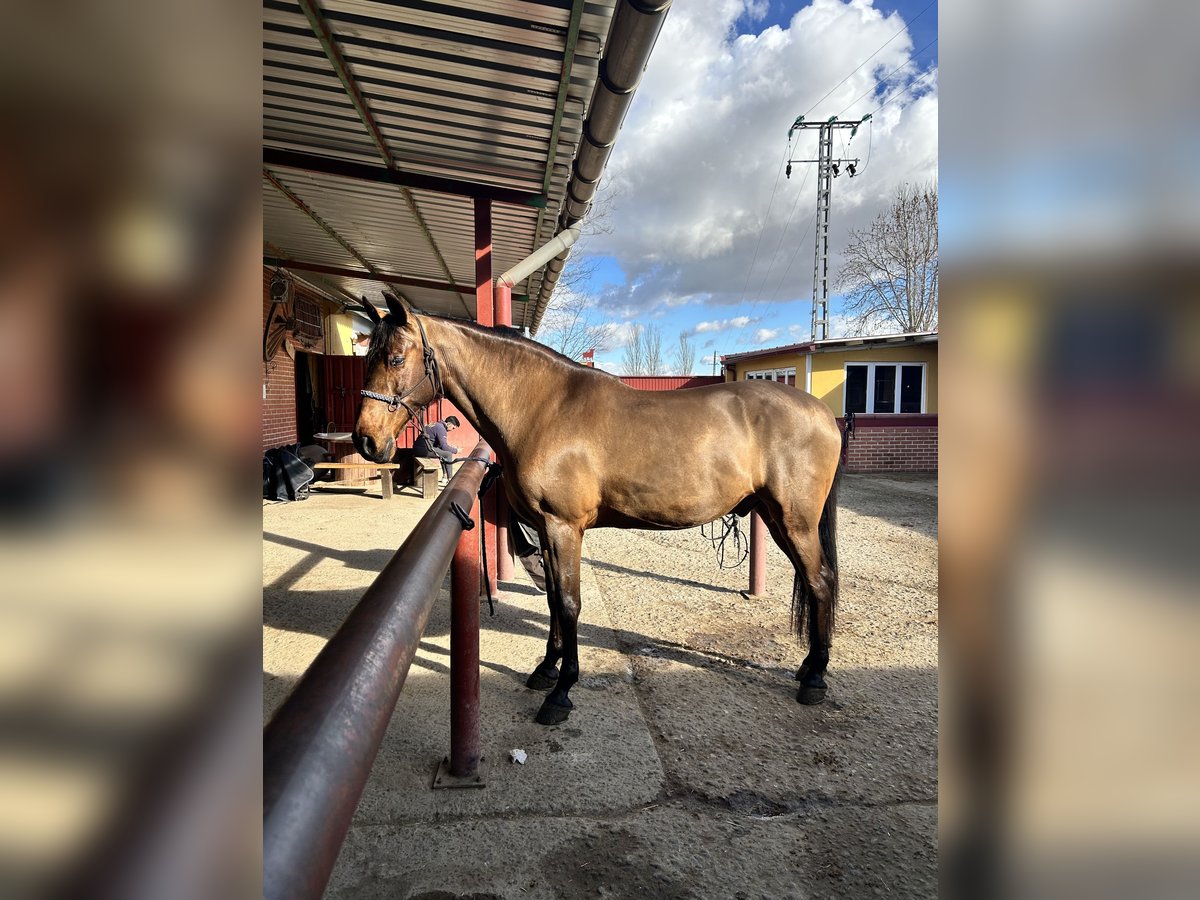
(319,747)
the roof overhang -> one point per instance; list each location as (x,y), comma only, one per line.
(382,125)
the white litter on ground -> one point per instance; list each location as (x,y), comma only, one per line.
(518,756)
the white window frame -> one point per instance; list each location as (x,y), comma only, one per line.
(773,375)
(871,385)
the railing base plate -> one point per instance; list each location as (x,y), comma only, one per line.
(443,780)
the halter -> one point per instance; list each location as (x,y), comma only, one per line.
(432,374)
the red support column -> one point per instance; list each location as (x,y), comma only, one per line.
(483,262)
(758,555)
(485,315)
(504,560)
(464,654)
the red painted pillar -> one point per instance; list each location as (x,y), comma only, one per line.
(504,560)
(485,315)
(758,555)
(483,262)
(464,653)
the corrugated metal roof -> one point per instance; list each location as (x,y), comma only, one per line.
(467,91)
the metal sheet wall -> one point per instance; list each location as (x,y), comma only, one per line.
(344,377)
(669,382)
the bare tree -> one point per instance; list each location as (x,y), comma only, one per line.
(684,359)
(652,337)
(567,328)
(890,276)
(643,351)
(633,359)
(567,325)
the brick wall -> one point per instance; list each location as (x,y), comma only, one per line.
(279,376)
(896,443)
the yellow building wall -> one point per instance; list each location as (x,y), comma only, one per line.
(340,329)
(829,372)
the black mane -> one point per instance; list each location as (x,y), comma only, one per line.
(382,335)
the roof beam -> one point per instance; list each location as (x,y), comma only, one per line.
(324,226)
(343,168)
(372,275)
(564,82)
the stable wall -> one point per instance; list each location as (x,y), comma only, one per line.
(279,388)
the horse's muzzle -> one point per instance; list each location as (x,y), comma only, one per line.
(366,446)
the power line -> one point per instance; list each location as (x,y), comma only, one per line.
(873,55)
(766,218)
(884,79)
(900,90)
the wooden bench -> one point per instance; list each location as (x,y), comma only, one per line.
(425,475)
(384,469)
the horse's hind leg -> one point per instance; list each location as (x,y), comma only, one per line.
(798,537)
(563,546)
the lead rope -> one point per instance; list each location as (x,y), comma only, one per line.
(490,476)
(729,527)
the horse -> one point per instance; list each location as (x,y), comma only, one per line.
(581,449)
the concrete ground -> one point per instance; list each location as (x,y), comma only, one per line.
(687,768)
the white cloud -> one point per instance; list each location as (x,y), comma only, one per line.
(765,334)
(694,165)
(723,324)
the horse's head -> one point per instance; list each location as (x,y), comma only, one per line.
(398,380)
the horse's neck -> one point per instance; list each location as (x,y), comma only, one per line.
(480,376)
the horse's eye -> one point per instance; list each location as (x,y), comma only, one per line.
(396,360)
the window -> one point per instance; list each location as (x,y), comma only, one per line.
(885,387)
(787,376)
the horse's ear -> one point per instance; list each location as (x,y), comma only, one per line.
(397,307)
(372,311)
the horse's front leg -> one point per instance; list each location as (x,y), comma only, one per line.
(562,550)
(545,676)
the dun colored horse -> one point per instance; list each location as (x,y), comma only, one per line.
(580,449)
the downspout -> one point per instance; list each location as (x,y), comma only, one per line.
(631,37)
(559,245)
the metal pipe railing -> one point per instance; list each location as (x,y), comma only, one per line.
(319,747)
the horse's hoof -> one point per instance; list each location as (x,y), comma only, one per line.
(552,714)
(539,682)
(810,695)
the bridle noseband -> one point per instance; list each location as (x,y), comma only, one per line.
(432,374)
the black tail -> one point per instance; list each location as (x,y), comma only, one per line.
(802,607)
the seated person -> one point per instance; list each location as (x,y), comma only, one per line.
(432,444)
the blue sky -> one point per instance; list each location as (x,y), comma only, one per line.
(705,238)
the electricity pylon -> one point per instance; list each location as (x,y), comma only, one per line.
(827,169)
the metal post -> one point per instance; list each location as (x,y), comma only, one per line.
(758,556)
(485,314)
(483,262)
(504,560)
(464,654)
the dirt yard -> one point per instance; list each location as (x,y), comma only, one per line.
(687,769)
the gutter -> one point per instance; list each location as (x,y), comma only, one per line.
(631,38)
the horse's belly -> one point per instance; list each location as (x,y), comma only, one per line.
(685,506)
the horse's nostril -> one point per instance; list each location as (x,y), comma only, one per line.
(368,446)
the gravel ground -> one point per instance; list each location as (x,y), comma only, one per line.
(688,769)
